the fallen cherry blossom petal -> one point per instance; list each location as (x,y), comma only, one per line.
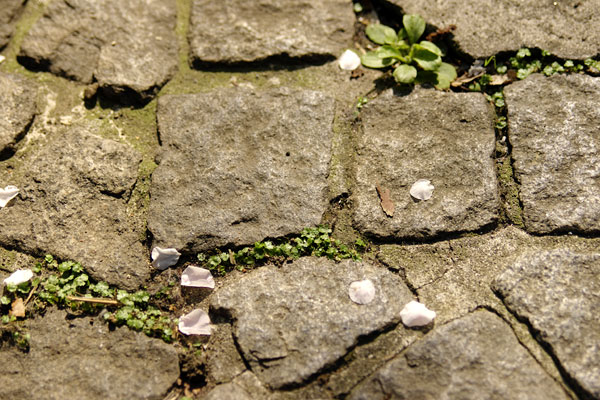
(7,194)
(2,58)
(422,189)
(197,277)
(362,292)
(19,276)
(196,322)
(416,314)
(164,258)
(349,61)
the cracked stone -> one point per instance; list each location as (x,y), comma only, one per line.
(223,361)
(17,109)
(128,46)
(9,14)
(239,163)
(293,321)
(234,31)
(553,124)
(487,27)
(80,359)
(73,204)
(557,292)
(447,137)
(474,357)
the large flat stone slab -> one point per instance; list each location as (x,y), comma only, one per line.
(9,14)
(474,357)
(486,27)
(553,129)
(17,109)
(237,166)
(81,359)
(73,204)
(557,292)
(128,46)
(293,321)
(447,138)
(234,31)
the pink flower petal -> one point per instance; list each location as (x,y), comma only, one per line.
(195,323)
(197,277)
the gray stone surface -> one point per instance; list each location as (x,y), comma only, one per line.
(474,357)
(81,359)
(233,31)
(553,129)
(223,361)
(238,166)
(447,138)
(558,293)
(72,204)
(127,46)
(17,109)
(566,28)
(293,321)
(10,10)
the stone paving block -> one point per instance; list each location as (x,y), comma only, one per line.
(553,128)
(72,204)
(237,166)
(17,109)
(447,138)
(291,322)
(128,46)
(234,31)
(558,293)
(567,29)
(10,10)
(474,357)
(81,359)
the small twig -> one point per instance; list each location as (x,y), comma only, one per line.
(108,302)
(30,294)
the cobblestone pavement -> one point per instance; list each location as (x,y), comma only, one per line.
(204,125)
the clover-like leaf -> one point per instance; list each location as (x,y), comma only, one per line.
(372,60)
(426,59)
(405,73)
(446,73)
(381,34)
(431,47)
(415,26)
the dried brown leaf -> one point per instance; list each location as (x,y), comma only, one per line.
(18,308)
(386,201)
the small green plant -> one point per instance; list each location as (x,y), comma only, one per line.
(403,52)
(311,242)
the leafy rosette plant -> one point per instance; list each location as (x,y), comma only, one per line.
(405,53)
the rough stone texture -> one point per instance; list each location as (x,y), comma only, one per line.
(10,10)
(475,357)
(128,46)
(558,293)
(293,321)
(223,361)
(238,166)
(17,109)
(566,28)
(245,386)
(553,129)
(72,204)
(447,138)
(81,359)
(233,31)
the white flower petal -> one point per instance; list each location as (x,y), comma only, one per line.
(197,277)
(2,58)
(362,292)
(19,276)
(164,258)
(422,189)
(7,194)
(416,314)
(195,323)
(349,61)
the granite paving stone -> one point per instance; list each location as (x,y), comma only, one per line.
(10,11)
(566,28)
(553,128)
(127,46)
(558,293)
(474,357)
(293,321)
(17,110)
(231,171)
(447,138)
(234,31)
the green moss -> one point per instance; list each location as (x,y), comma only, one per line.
(509,192)
(139,201)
